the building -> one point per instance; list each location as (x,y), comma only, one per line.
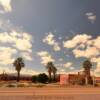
(11,77)
(68,79)
(64,79)
(97,80)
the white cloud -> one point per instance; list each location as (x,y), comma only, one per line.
(45,57)
(78,39)
(91,17)
(5,25)
(97,61)
(61,59)
(6,55)
(15,43)
(67,65)
(97,42)
(23,45)
(6,4)
(85,46)
(26,56)
(61,71)
(88,53)
(15,38)
(72,68)
(20,40)
(49,39)
(97,70)
(56,47)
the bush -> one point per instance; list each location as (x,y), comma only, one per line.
(42,78)
(34,79)
(40,85)
(21,85)
(11,85)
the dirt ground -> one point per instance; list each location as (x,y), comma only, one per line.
(50,93)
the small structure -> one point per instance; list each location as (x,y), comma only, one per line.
(76,79)
(64,79)
(97,80)
(68,79)
(4,76)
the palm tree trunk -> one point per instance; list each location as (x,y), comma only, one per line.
(54,76)
(18,77)
(49,76)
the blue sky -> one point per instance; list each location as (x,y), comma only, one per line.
(63,31)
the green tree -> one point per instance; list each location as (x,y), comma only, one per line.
(42,78)
(87,65)
(18,64)
(34,78)
(51,69)
(54,70)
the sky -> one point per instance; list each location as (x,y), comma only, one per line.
(65,32)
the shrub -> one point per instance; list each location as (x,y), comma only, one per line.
(42,78)
(34,79)
(21,85)
(40,85)
(10,85)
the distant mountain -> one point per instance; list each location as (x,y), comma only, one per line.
(21,75)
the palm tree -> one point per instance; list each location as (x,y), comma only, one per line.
(18,64)
(87,65)
(54,70)
(51,69)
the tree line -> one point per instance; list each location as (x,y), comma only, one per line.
(52,70)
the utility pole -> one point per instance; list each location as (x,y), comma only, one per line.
(93,78)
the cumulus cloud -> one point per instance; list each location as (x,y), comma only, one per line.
(45,57)
(88,53)
(19,40)
(78,39)
(6,5)
(50,40)
(91,17)
(85,46)
(60,59)
(12,43)
(97,61)
(6,55)
(62,71)
(97,42)
(15,38)
(27,56)
(5,25)
(67,65)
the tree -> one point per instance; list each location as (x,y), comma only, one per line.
(54,70)
(18,64)
(34,78)
(87,65)
(42,78)
(51,69)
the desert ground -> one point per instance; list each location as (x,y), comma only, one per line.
(50,93)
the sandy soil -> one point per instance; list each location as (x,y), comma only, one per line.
(50,93)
